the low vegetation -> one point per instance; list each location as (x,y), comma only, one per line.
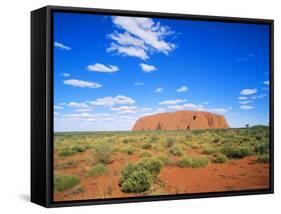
(140,160)
(138,178)
(193,162)
(98,169)
(63,182)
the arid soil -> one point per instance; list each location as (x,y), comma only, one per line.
(241,174)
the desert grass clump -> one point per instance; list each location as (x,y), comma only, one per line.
(66,165)
(209,150)
(263,159)
(219,158)
(127,150)
(103,152)
(79,148)
(154,138)
(98,169)
(165,160)
(193,162)
(146,146)
(145,154)
(63,182)
(262,148)
(236,152)
(66,152)
(170,141)
(138,178)
(175,151)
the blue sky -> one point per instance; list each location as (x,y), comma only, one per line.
(109,71)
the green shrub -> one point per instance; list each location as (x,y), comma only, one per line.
(154,138)
(219,158)
(66,165)
(146,146)
(170,142)
(63,182)
(216,140)
(145,154)
(125,141)
(153,166)
(67,152)
(103,152)
(137,178)
(209,150)
(139,181)
(98,169)
(262,159)
(165,160)
(193,162)
(262,148)
(236,152)
(175,151)
(127,150)
(79,149)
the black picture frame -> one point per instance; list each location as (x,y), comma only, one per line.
(42,105)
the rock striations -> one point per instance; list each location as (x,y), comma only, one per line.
(181,120)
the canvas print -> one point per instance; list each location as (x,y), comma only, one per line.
(156,106)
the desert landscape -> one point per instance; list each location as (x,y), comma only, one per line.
(168,153)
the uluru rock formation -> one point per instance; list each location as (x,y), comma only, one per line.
(181,120)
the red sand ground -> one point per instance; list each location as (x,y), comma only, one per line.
(242,174)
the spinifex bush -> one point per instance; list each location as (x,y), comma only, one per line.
(263,159)
(103,152)
(236,152)
(137,178)
(146,146)
(63,182)
(262,148)
(209,150)
(98,169)
(193,162)
(170,141)
(175,151)
(219,158)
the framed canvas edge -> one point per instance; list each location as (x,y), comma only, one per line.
(49,106)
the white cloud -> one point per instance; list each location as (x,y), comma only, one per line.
(159,90)
(242,98)
(245,102)
(182,89)
(83,110)
(98,67)
(206,103)
(88,117)
(258,96)
(82,84)
(65,74)
(128,51)
(172,102)
(138,84)
(219,110)
(127,39)
(248,91)
(186,106)
(77,105)
(147,68)
(61,46)
(266,82)
(139,36)
(246,107)
(123,108)
(111,101)
(58,107)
